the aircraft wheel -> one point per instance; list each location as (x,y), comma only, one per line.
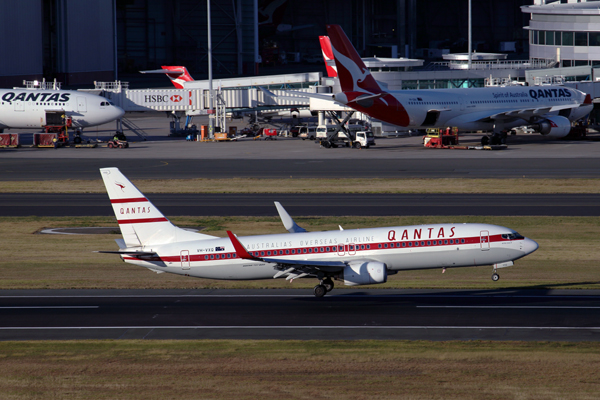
(495,277)
(328,283)
(320,290)
(485,140)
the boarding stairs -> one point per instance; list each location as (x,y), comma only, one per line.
(129,124)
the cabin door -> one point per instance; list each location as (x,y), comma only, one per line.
(185,259)
(484,240)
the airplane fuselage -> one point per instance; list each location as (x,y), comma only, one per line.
(399,248)
(473,109)
(24,108)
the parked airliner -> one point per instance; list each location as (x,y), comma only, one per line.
(27,108)
(548,109)
(353,257)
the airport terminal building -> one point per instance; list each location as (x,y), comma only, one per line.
(568,33)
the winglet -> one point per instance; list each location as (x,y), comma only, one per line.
(588,99)
(287,221)
(240,249)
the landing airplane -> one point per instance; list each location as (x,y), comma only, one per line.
(354,257)
(26,108)
(548,109)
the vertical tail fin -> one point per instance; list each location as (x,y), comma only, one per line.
(354,75)
(178,76)
(328,56)
(141,223)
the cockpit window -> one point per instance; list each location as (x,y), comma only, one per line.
(512,236)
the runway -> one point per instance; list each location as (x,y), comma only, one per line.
(50,205)
(429,165)
(563,315)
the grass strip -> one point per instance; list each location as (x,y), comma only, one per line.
(567,258)
(220,369)
(304,185)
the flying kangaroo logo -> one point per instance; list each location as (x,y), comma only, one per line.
(121,186)
(358,75)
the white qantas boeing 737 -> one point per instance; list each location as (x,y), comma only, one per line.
(548,109)
(354,257)
(26,108)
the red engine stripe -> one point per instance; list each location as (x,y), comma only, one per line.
(133,200)
(141,220)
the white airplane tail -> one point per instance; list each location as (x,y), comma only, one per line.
(141,223)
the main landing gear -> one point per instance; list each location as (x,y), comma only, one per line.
(494,139)
(326,285)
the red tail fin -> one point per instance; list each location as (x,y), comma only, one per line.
(179,75)
(354,75)
(328,56)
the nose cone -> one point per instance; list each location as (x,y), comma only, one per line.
(529,246)
(118,112)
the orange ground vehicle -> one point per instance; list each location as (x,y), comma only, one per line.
(441,138)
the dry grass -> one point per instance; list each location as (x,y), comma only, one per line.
(567,257)
(298,370)
(301,185)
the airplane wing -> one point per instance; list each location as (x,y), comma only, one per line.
(513,114)
(299,95)
(292,268)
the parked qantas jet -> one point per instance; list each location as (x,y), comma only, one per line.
(26,108)
(548,109)
(353,257)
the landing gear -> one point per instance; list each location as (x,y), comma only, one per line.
(494,139)
(320,290)
(326,285)
(495,277)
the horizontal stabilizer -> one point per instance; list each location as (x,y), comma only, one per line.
(127,252)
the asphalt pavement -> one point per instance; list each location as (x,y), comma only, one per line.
(515,314)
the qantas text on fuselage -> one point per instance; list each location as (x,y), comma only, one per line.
(24,108)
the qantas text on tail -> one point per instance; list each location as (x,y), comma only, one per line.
(549,108)
(353,257)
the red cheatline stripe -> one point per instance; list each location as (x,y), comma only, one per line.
(134,200)
(141,220)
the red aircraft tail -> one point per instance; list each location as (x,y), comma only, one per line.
(328,56)
(178,75)
(354,75)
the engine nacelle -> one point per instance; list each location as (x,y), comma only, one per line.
(364,273)
(555,126)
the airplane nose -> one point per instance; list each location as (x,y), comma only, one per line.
(119,112)
(529,246)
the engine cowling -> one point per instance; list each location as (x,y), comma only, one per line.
(364,273)
(555,126)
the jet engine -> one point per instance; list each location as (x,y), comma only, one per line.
(555,126)
(364,273)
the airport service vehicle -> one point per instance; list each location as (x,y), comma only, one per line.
(548,109)
(327,136)
(36,108)
(352,257)
(307,132)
